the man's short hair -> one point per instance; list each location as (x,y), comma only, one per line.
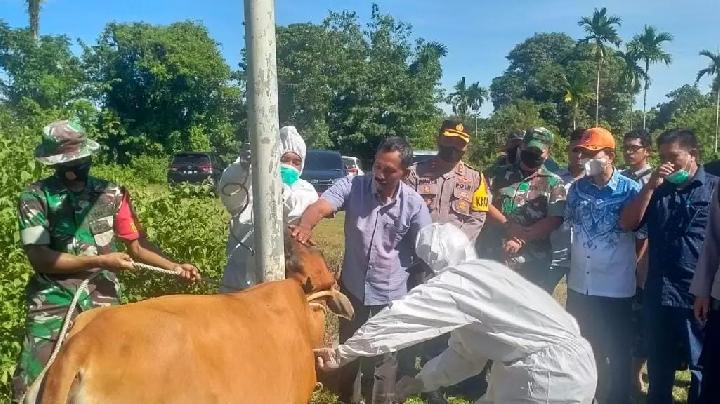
(642,135)
(400,145)
(684,137)
(577,134)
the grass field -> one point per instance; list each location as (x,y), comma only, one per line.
(329,237)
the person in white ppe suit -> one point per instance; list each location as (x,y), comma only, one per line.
(236,194)
(492,313)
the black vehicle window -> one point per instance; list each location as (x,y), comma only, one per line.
(191,159)
(323,161)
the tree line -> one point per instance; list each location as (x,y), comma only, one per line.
(144,89)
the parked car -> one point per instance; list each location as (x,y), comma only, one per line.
(352,166)
(422,155)
(323,168)
(195,168)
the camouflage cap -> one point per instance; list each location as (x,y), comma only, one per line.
(64,141)
(538,137)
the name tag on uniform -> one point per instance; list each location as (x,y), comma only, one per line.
(481,197)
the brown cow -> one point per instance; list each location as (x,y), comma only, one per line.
(253,346)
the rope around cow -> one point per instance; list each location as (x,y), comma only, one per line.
(31,393)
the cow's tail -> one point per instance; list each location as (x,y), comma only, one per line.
(61,376)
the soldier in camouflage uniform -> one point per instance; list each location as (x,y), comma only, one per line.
(531,202)
(69,226)
(454,191)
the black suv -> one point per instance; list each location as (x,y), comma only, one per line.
(194,168)
(323,168)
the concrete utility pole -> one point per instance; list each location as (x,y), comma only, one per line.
(264,138)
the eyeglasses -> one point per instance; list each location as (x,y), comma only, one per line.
(633,148)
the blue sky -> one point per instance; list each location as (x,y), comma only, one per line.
(477,33)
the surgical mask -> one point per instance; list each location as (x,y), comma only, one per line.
(531,160)
(594,167)
(678,177)
(289,174)
(79,172)
(449,154)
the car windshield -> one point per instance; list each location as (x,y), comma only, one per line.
(198,159)
(323,161)
(421,157)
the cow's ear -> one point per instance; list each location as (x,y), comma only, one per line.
(339,304)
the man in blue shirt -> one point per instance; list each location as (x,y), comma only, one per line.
(382,218)
(601,281)
(674,207)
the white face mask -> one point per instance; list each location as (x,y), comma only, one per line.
(594,167)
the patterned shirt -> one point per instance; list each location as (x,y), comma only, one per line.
(525,200)
(77,223)
(379,237)
(602,255)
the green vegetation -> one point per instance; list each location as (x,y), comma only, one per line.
(146,91)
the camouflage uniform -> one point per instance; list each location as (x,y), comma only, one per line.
(77,223)
(459,196)
(525,200)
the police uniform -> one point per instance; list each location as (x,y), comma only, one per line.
(459,196)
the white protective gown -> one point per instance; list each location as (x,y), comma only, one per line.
(492,313)
(240,272)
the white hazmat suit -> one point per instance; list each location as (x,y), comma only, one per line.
(235,189)
(492,313)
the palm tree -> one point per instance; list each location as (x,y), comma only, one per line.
(577,92)
(601,30)
(631,75)
(465,98)
(648,48)
(713,70)
(33,7)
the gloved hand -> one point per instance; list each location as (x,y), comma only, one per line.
(326,359)
(408,386)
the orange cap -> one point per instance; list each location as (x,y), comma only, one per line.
(596,139)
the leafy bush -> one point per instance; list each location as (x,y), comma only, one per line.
(151,169)
(185,222)
(17,167)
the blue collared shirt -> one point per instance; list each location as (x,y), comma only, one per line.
(602,255)
(676,220)
(379,237)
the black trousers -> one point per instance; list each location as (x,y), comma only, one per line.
(372,379)
(710,360)
(606,323)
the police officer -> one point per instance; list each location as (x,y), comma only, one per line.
(454,192)
(70,223)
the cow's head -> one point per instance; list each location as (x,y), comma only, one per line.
(306,265)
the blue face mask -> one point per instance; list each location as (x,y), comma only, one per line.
(289,174)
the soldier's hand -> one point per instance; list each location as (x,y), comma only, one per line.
(188,272)
(116,262)
(513,245)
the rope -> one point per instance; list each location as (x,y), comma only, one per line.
(34,389)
